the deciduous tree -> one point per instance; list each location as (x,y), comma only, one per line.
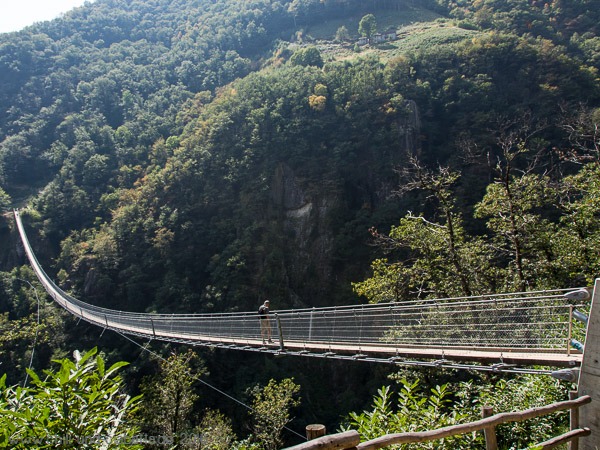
(169,397)
(513,204)
(439,258)
(367,26)
(4,199)
(271,411)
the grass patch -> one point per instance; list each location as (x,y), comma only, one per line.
(417,28)
(386,20)
(418,36)
(411,38)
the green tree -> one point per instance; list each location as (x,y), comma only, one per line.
(576,242)
(307,56)
(520,233)
(4,200)
(367,26)
(442,259)
(81,405)
(31,331)
(342,34)
(513,204)
(216,431)
(271,411)
(16,338)
(169,397)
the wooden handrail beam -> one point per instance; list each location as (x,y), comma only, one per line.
(564,438)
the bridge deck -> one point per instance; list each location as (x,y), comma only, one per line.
(507,356)
(497,355)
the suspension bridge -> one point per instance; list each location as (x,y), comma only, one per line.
(525,332)
(519,332)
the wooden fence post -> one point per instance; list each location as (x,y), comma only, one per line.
(342,441)
(573,421)
(314,431)
(489,432)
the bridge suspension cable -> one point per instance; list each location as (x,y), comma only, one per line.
(501,332)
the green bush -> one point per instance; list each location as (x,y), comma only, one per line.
(81,405)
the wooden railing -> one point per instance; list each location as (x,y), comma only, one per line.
(350,440)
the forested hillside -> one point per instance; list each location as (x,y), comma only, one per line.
(200,156)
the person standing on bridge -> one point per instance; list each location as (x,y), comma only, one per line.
(265,322)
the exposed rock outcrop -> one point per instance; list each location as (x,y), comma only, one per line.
(304,222)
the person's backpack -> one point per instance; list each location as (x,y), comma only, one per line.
(261,312)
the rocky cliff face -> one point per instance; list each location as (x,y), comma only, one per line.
(304,212)
(11,252)
(309,239)
(410,130)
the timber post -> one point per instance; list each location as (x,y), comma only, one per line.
(347,440)
(573,421)
(314,431)
(491,443)
(589,376)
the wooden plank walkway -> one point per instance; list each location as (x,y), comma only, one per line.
(492,355)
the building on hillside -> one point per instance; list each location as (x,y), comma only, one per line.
(390,36)
(378,38)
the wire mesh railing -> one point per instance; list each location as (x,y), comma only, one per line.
(521,321)
(534,321)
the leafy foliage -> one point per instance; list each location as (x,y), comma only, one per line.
(414,411)
(271,411)
(166,189)
(524,248)
(31,331)
(307,56)
(168,398)
(451,404)
(179,164)
(216,431)
(5,199)
(517,394)
(81,405)
(367,26)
